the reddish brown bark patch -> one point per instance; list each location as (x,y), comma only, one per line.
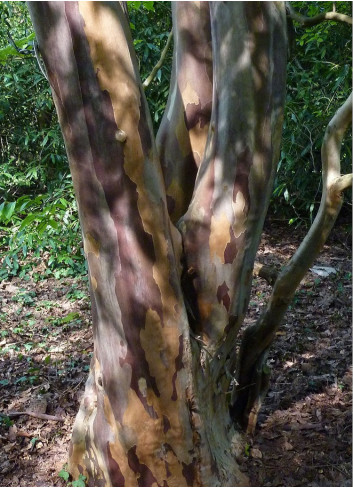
(222,295)
(178,366)
(117,478)
(146,478)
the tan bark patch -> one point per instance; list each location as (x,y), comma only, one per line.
(219,236)
(175,190)
(197,139)
(148,436)
(190,95)
(119,455)
(91,245)
(161,346)
(205,308)
(240,216)
(94,282)
(182,135)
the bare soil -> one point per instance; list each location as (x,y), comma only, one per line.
(304,433)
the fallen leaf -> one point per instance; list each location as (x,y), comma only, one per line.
(12,432)
(287,446)
(24,434)
(323,271)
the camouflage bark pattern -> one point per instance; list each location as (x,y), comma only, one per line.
(181,138)
(167,301)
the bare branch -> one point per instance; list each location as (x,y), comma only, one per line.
(331,201)
(342,183)
(259,336)
(160,62)
(48,417)
(317,19)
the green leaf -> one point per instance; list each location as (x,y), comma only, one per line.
(8,210)
(80,482)
(70,317)
(134,5)
(148,5)
(64,474)
(28,220)
(5,53)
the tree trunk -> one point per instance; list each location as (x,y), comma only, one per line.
(182,135)
(167,301)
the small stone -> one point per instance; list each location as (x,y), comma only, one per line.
(256,453)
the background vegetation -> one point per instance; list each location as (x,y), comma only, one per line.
(38,215)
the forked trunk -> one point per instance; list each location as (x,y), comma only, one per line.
(167,301)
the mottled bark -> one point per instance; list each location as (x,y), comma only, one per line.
(133,427)
(138,423)
(182,135)
(168,302)
(221,229)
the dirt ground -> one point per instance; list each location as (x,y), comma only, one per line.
(304,432)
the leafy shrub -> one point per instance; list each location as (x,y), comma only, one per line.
(318,82)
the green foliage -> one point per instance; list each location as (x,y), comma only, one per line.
(150,24)
(22,44)
(137,5)
(5,420)
(80,482)
(64,475)
(319,81)
(38,215)
(41,232)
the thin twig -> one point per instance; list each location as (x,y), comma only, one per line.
(160,62)
(48,417)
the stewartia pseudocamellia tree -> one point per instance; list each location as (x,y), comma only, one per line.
(171,226)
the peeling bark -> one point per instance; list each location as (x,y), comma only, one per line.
(168,301)
(182,135)
(133,427)
(221,228)
(139,422)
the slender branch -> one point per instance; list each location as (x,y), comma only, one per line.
(48,417)
(159,63)
(317,19)
(342,183)
(13,44)
(258,337)
(331,201)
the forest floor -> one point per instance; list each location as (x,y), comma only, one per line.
(304,432)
